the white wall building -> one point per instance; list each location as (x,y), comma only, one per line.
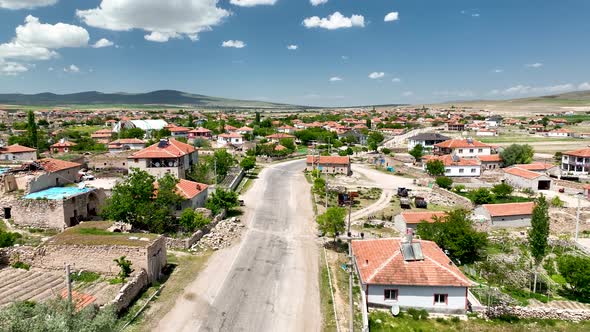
(456,166)
(166,156)
(463,148)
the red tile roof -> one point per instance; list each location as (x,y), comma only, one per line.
(509,209)
(63,144)
(245,128)
(200,130)
(231,135)
(419,216)
(81,300)
(279,136)
(462,143)
(381,262)
(522,173)
(448,160)
(535,166)
(54,165)
(178,129)
(333,160)
(490,158)
(187,189)
(16,148)
(584,153)
(173,149)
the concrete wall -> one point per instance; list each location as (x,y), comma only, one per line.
(453,171)
(22,156)
(55,179)
(512,221)
(331,169)
(419,297)
(473,152)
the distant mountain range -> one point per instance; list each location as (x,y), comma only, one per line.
(160,97)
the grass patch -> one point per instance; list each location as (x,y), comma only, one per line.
(84,276)
(326,302)
(21,265)
(95,233)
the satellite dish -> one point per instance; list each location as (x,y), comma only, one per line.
(395,309)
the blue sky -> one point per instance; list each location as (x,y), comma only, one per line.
(430,51)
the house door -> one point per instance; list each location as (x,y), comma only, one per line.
(544,185)
(7,213)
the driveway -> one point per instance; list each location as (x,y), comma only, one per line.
(269,281)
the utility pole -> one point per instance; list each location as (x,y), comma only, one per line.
(577,217)
(68,284)
(350,299)
(215,169)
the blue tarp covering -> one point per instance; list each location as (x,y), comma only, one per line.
(58,193)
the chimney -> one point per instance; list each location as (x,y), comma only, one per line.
(409,235)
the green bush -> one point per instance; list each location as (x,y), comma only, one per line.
(8,239)
(84,276)
(482,196)
(418,314)
(444,182)
(557,202)
(21,265)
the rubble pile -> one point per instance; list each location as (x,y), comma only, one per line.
(221,236)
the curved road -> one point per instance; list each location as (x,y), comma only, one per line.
(269,281)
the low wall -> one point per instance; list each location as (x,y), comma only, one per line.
(11,255)
(129,292)
(574,315)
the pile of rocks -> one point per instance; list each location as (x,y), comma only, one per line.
(574,315)
(221,236)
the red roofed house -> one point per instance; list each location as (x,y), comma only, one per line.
(463,148)
(200,133)
(194,194)
(245,130)
(275,138)
(329,164)
(17,152)
(410,274)
(177,131)
(62,146)
(455,165)
(576,162)
(125,144)
(231,139)
(508,214)
(102,136)
(493,161)
(523,178)
(166,156)
(411,219)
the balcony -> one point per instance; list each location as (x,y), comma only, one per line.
(165,163)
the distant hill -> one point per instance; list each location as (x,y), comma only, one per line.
(160,97)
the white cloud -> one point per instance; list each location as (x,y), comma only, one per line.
(25,4)
(407,93)
(344,57)
(334,21)
(534,65)
(233,43)
(72,69)
(526,89)
(396,80)
(161,19)
(50,69)
(103,42)
(584,86)
(375,75)
(12,68)
(292,47)
(252,3)
(317,2)
(498,70)
(37,41)
(475,15)
(393,16)
(335,79)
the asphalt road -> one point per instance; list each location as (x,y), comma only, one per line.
(269,281)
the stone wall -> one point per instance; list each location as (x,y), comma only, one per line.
(449,198)
(574,315)
(11,255)
(129,292)
(187,243)
(99,258)
(39,213)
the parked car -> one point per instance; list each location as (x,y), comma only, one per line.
(420,202)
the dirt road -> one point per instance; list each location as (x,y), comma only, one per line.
(269,281)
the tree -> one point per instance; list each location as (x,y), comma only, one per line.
(248,163)
(368,123)
(288,143)
(201,143)
(32,130)
(125,265)
(417,152)
(8,239)
(191,220)
(375,138)
(482,196)
(386,151)
(319,185)
(576,271)
(332,221)
(517,154)
(222,161)
(132,133)
(539,233)
(257,118)
(502,190)
(435,167)
(456,234)
(444,182)
(56,315)
(557,202)
(222,199)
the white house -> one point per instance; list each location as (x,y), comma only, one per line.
(455,165)
(561,132)
(576,162)
(194,194)
(427,140)
(231,138)
(463,148)
(523,178)
(508,214)
(17,152)
(125,144)
(167,156)
(486,132)
(410,274)
(178,131)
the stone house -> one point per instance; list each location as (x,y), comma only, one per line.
(17,153)
(409,273)
(493,161)
(110,161)
(45,173)
(329,164)
(62,146)
(167,156)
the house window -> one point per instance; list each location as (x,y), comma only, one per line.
(479,150)
(460,150)
(473,170)
(470,150)
(441,298)
(447,170)
(461,170)
(390,294)
(135,160)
